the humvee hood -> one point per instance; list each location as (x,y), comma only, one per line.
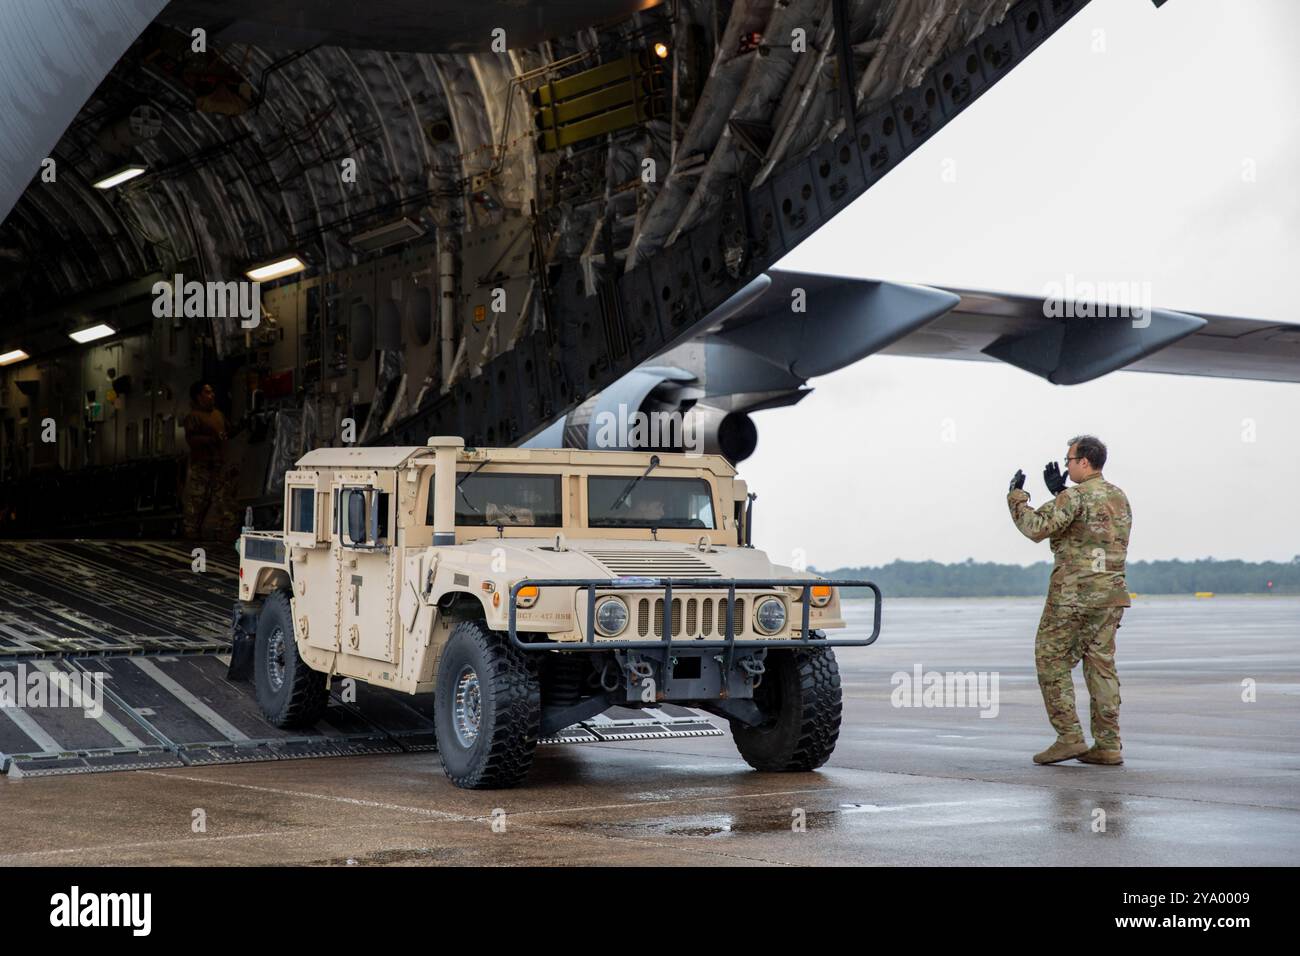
(605,558)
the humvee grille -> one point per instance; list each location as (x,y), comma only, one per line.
(698,621)
(656,564)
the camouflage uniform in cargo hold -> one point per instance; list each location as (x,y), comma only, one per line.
(532,589)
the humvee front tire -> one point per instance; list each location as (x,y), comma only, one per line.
(800,697)
(289,692)
(487,709)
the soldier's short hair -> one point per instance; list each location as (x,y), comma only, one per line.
(1090,447)
(195,388)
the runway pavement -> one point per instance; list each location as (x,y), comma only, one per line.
(1210,779)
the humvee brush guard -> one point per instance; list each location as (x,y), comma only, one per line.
(532,589)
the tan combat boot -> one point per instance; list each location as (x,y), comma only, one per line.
(1106,758)
(1060,751)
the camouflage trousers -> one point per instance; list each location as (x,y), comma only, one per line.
(1066,635)
(209,489)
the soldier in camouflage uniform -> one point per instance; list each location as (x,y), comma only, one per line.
(209,483)
(1088,524)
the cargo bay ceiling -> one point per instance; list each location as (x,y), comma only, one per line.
(502,207)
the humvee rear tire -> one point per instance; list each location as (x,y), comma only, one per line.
(487,709)
(289,692)
(800,696)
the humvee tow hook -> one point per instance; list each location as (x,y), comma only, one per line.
(639,671)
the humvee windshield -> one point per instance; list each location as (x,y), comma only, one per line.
(650,502)
(511,500)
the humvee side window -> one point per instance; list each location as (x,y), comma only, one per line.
(302,502)
(511,500)
(615,502)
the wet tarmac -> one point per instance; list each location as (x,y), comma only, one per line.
(1210,778)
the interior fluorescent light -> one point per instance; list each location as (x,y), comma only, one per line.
(17,355)
(274,270)
(119,177)
(91,333)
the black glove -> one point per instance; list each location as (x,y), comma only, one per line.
(1053,478)
(1017,480)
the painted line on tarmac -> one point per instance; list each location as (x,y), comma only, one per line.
(477,818)
(460,818)
(673,800)
(267,834)
(354,801)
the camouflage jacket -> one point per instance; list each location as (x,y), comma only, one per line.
(1088,525)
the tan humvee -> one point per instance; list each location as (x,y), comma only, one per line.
(528,590)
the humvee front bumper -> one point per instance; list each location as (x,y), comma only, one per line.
(668,642)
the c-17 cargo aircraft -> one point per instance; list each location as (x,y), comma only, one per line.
(491,220)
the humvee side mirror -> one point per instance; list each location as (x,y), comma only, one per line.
(357,516)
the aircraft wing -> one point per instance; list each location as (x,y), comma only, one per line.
(1030,332)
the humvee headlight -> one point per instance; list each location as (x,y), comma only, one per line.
(821,595)
(770,615)
(527,596)
(611,616)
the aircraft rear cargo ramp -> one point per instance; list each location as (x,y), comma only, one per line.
(135,643)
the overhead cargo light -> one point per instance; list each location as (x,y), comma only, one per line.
(389,234)
(276,269)
(17,355)
(661,50)
(92,332)
(121,176)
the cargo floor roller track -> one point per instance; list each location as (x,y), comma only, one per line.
(136,620)
(85,598)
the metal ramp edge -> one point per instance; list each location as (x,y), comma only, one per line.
(180,710)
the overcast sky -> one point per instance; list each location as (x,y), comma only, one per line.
(1135,145)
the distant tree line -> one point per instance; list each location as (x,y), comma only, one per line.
(985,579)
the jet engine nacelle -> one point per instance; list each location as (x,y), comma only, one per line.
(653,408)
(715,431)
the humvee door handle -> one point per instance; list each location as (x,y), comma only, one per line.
(356,594)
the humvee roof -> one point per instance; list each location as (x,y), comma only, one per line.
(395,456)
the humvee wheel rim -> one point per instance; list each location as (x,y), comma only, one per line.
(275,659)
(467,708)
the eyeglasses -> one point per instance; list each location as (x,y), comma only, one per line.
(1068,460)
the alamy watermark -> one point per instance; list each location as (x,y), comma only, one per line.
(22,689)
(1081,299)
(629,429)
(194,299)
(923,688)
(133,911)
